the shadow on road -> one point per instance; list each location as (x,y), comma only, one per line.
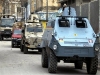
(70,70)
(29,52)
(33,52)
(62,70)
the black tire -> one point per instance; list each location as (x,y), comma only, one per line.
(25,49)
(1,38)
(12,45)
(92,65)
(44,58)
(52,63)
(39,50)
(21,48)
(78,64)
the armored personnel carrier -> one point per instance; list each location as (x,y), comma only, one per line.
(31,35)
(72,39)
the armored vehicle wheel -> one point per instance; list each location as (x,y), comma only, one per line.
(25,49)
(12,45)
(78,64)
(44,58)
(92,65)
(1,38)
(52,63)
(21,47)
(39,50)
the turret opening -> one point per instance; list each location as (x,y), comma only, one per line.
(64,23)
(80,23)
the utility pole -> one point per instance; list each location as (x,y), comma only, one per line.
(47,10)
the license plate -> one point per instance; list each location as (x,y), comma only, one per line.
(19,39)
(7,33)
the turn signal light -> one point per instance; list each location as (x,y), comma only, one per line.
(60,40)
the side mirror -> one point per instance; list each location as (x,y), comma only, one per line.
(98,35)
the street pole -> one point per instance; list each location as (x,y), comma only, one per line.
(17,11)
(47,11)
(29,1)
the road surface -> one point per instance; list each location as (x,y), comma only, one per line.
(14,62)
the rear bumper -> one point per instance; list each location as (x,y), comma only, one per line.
(5,34)
(16,41)
(71,51)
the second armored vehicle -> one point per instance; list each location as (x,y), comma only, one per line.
(31,34)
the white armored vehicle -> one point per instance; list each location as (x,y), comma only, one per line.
(72,39)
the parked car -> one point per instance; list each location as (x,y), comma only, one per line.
(16,38)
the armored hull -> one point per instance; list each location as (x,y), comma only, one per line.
(70,38)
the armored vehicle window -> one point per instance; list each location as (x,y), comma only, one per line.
(64,23)
(7,22)
(81,24)
(34,29)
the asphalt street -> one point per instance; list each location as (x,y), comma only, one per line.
(14,62)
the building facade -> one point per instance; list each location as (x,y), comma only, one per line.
(40,5)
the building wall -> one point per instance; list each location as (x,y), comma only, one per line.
(87,9)
(39,5)
(94,15)
(32,5)
(1,5)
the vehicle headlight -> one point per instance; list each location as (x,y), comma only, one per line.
(54,47)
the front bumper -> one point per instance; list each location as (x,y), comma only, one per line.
(75,51)
(71,51)
(6,34)
(16,41)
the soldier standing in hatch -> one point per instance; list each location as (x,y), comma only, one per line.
(64,6)
(60,11)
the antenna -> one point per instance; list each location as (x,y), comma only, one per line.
(69,7)
(69,10)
